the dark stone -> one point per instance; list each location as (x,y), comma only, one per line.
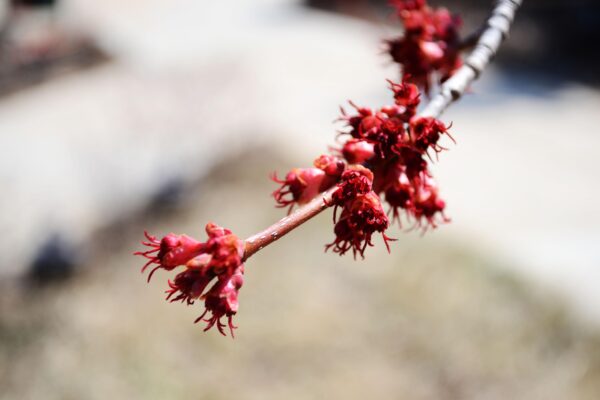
(35,3)
(55,260)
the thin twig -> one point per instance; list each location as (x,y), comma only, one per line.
(487,45)
(287,224)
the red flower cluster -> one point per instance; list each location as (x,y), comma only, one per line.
(402,141)
(219,259)
(362,213)
(386,153)
(430,42)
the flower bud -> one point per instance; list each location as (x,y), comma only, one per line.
(169,252)
(358,151)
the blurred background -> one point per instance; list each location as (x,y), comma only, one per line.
(120,116)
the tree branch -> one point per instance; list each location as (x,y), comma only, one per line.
(495,31)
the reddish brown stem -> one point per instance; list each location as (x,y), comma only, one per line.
(264,238)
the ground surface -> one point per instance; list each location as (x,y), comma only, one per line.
(433,320)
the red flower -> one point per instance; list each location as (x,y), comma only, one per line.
(188,285)
(332,166)
(222,301)
(225,250)
(427,204)
(392,131)
(399,194)
(407,96)
(379,131)
(410,159)
(301,185)
(358,151)
(220,259)
(363,124)
(378,136)
(430,43)
(361,217)
(425,133)
(408,5)
(356,180)
(169,252)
